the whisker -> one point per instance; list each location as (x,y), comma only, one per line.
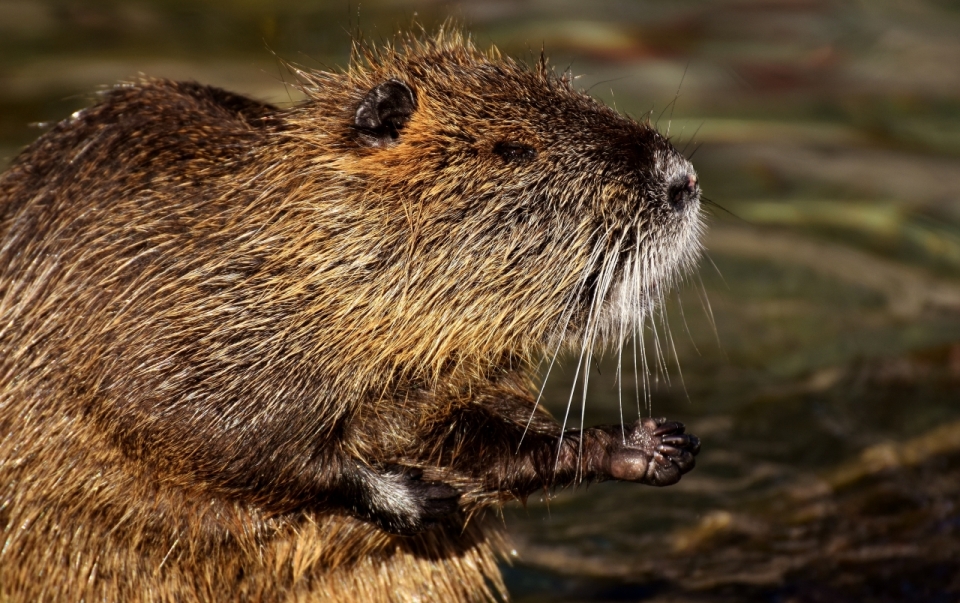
(566,415)
(565,316)
(641,287)
(708,309)
(604,286)
(713,203)
(619,378)
(676,356)
(591,317)
(695,132)
(645,366)
(720,274)
(673,103)
(543,386)
(661,363)
(573,389)
(686,327)
(647,395)
(636,374)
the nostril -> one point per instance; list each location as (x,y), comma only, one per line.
(682,191)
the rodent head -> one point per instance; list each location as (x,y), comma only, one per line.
(528,211)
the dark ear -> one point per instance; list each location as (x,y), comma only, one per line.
(383,112)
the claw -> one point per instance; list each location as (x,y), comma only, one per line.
(669,427)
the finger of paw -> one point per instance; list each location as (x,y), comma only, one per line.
(651,424)
(666,475)
(669,451)
(669,427)
(684,461)
(680,441)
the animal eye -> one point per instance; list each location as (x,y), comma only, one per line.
(514,151)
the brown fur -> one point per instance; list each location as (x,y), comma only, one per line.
(213,310)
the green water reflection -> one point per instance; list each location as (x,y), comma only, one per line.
(826,385)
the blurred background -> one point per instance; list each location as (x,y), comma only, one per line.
(819,342)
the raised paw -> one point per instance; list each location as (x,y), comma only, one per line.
(655,452)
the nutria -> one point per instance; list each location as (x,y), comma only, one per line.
(251,353)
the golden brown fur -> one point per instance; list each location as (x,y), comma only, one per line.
(233,338)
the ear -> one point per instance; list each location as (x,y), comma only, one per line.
(383,112)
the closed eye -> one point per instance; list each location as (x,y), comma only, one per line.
(514,151)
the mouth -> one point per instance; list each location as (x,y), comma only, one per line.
(630,279)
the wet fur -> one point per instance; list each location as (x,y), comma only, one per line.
(242,351)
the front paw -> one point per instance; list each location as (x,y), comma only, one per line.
(402,503)
(655,452)
(436,501)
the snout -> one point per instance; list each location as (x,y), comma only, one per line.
(683,191)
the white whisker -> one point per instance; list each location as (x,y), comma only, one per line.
(591,318)
(565,317)
(636,375)
(708,309)
(598,299)
(676,357)
(619,378)
(658,352)
(686,327)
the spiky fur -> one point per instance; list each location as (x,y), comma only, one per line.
(211,307)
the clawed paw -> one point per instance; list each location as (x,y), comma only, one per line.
(655,452)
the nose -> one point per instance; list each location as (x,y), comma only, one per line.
(683,191)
